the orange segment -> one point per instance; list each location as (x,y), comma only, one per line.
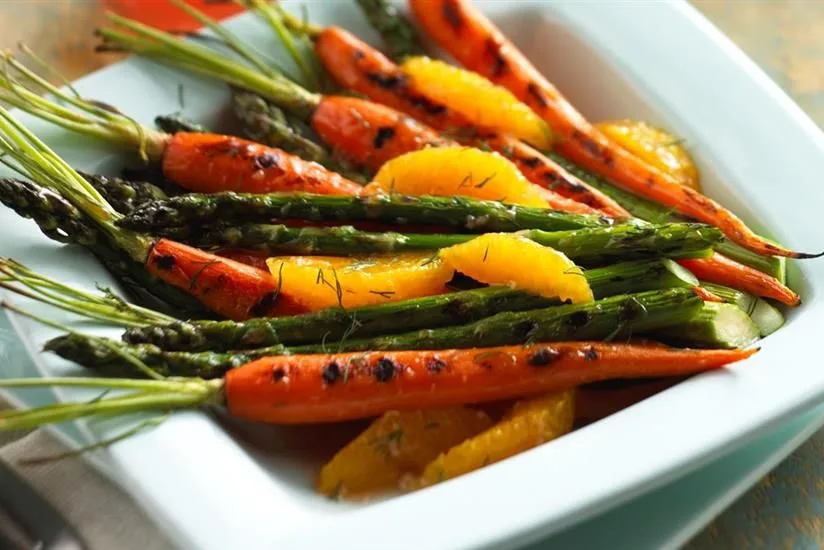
(395,445)
(320,282)
(528,424)
(449,171)
(511,259)
(655,146)
(478,99)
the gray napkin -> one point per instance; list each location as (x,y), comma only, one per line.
(102,513)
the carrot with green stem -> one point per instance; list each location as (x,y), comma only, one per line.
(717,269)
(194,161)
(226,287)
(303,389)
(361,131)
(469,36)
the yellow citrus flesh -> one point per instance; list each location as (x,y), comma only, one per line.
(511,259)
(476,98)
(655,146)
(449,171)
(397,445)
(320,282)
(528,424)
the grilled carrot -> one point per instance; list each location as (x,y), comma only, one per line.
(723,271)
(209,163)
(356,65)
(333,387)
(227,287)
(469,36)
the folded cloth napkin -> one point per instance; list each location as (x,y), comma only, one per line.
(105,516)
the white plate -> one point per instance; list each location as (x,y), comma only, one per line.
(669,517)
(658,61)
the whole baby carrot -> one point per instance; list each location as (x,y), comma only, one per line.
(304,389)
(721,270)
(333,387)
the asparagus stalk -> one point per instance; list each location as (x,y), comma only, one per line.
(455,308)
(399,35)
(108,358)
(476,216)
(57,218)
(590,246)
(172,124)
(656,213)
(617,316)
(714,326)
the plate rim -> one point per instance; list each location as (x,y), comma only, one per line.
(499,472)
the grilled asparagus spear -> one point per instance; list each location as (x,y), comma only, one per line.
(588,247)
(463,213)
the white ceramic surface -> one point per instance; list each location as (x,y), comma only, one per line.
(250,487)
(669,517)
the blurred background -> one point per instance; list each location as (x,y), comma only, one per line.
(785,37)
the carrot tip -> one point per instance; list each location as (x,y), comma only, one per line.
(807,255)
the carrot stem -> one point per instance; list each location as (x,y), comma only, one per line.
(165,48)
(149,395)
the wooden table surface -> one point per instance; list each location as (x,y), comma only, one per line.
(785,37)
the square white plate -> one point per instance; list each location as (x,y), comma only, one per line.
(250,487)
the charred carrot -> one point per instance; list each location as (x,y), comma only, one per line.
(208,163)
(368,132)
(470,37)
(227,287)
(303,389)
(194,161)
(723,271)
(356,65)
(325,388)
